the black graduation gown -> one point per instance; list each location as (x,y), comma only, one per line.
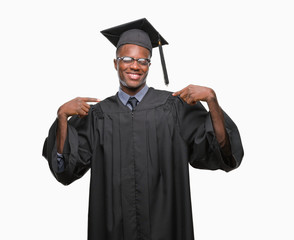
(139,186)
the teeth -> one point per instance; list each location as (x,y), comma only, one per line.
(134,75)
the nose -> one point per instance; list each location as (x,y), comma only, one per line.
(135,65)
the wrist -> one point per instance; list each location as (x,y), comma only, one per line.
(61,115)
(211,96)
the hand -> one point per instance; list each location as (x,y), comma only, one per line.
(77,106)
(194,93)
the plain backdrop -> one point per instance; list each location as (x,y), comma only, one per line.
(52,51)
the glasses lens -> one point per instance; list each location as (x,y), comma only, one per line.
(127,60)
(130,60)
(143,61)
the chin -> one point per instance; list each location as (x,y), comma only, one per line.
(132,84)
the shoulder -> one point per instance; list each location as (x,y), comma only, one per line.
(110,105)
(155,98)
(159,92)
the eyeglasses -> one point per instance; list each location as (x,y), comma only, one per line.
(130,60)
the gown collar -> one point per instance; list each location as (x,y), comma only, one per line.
(124,97)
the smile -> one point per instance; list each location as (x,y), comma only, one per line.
(134,76)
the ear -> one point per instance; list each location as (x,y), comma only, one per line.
(115,64)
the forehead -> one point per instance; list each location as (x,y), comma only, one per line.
(132,50)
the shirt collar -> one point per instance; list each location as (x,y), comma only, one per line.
(124,97)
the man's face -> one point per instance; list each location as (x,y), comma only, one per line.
(132,76)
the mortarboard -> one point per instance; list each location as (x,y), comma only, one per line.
(139,32)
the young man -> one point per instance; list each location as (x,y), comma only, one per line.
(138,145)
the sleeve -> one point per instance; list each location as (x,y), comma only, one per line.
(60,163)
(204,151)
(77,152)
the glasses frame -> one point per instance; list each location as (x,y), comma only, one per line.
(135,59)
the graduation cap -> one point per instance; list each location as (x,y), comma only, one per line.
(139,32)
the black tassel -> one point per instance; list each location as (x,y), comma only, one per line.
(166,81)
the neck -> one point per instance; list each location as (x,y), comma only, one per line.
(132,91)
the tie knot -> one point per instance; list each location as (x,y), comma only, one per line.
(133,102)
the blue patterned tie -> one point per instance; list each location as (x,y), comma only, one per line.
(133,102)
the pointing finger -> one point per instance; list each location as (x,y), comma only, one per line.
(185,96)
(178,92)
(87,99)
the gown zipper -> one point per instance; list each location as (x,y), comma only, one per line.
(133,143)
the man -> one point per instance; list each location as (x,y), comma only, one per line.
(138,144)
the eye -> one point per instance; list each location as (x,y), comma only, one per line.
(127,59)
(143,61)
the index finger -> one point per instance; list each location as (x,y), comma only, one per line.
(178,92)
(87,99)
